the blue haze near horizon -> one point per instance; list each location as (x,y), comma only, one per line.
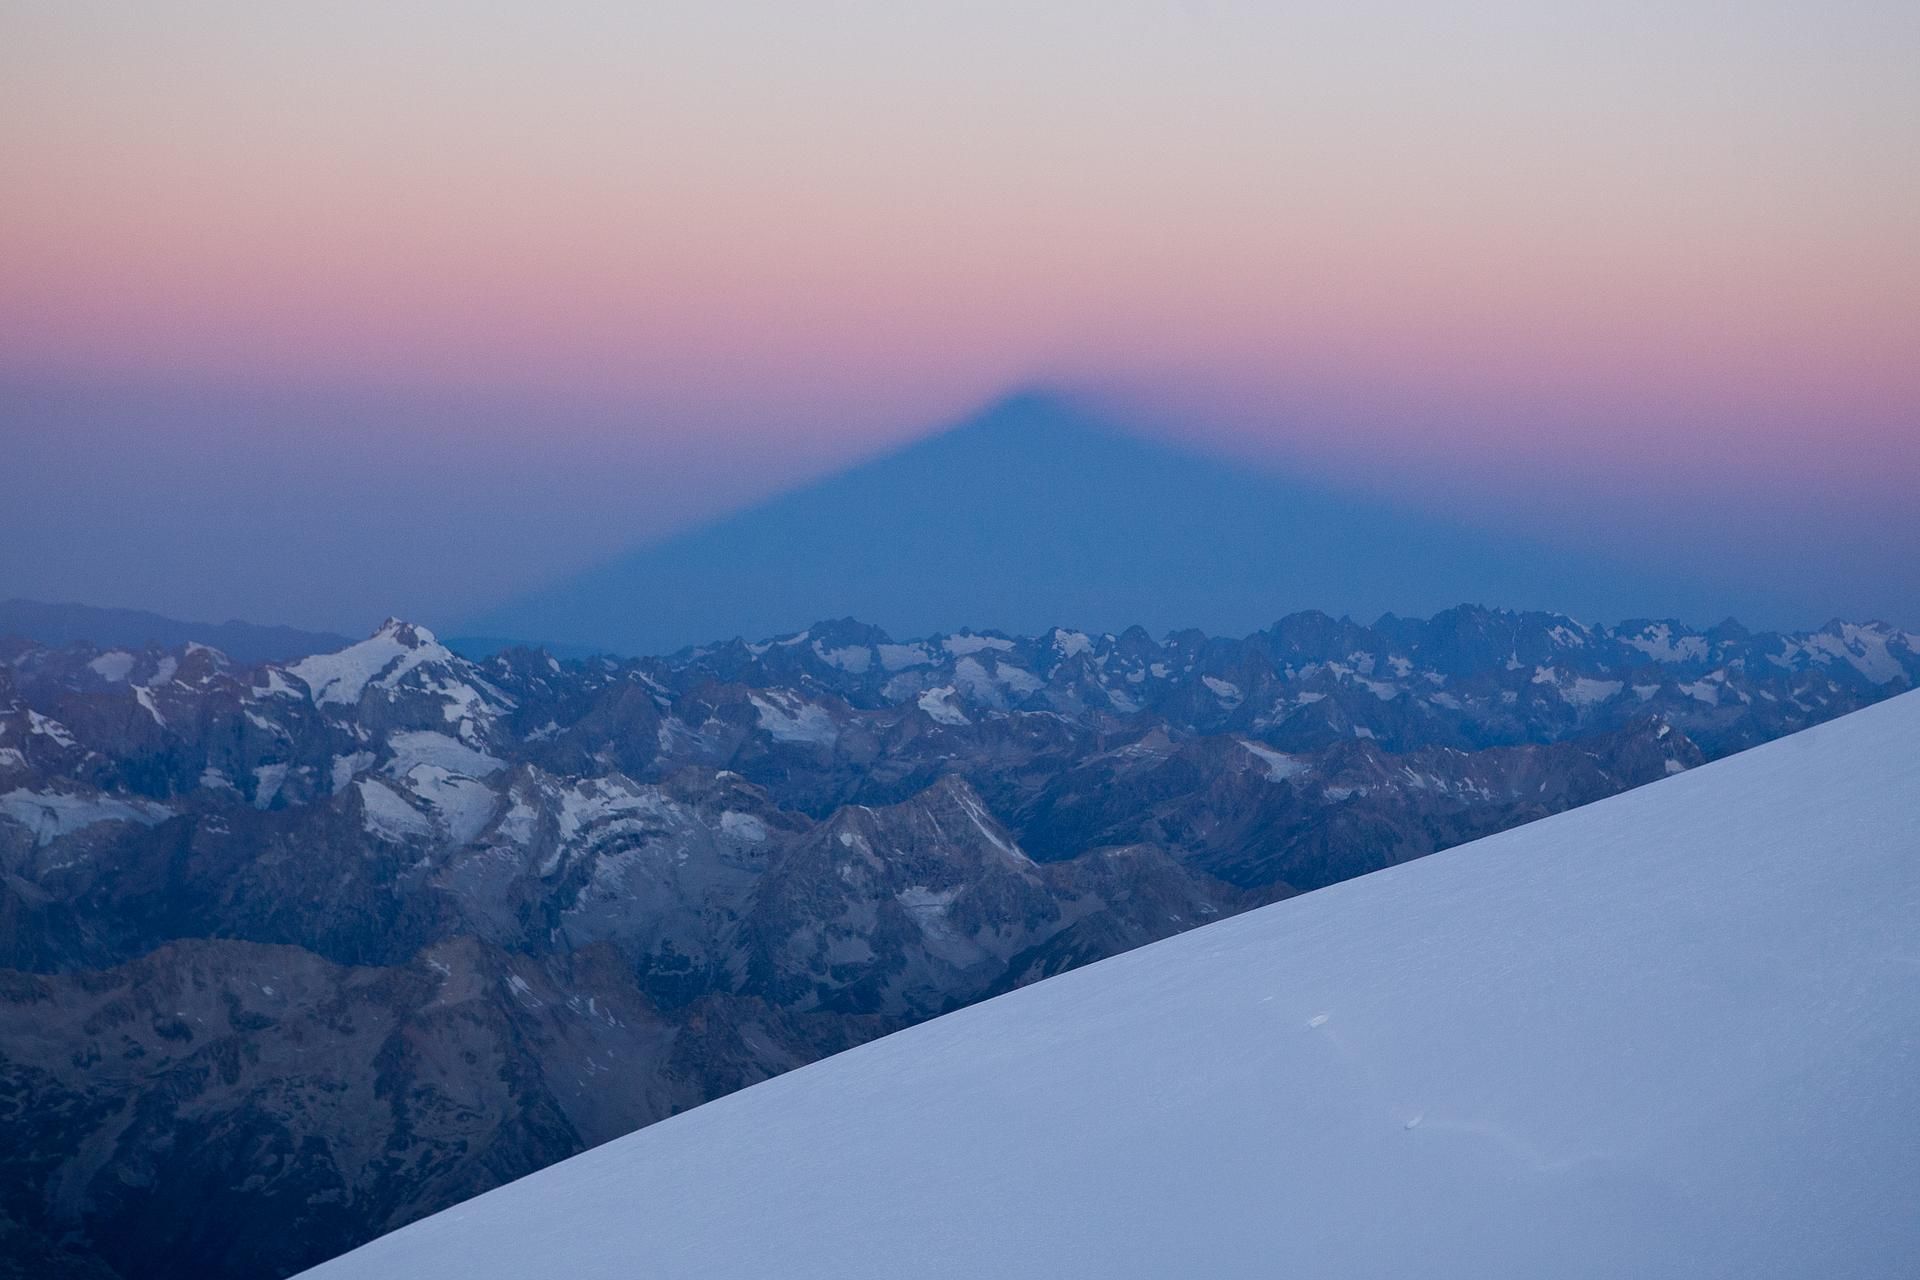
(1035,514)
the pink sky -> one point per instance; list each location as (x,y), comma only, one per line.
(1481,254)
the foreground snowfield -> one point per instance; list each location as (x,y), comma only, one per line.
(1674,1033)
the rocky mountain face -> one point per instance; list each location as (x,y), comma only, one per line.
(295,953)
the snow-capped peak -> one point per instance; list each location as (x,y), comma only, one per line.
(410,634)
(383,659)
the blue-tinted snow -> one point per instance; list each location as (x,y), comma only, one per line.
(1675,1033)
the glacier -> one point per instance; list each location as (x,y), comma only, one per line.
(1672,1033)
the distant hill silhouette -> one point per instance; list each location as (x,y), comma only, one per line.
(1034,513)
(64,624)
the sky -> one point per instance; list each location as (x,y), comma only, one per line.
(315,313)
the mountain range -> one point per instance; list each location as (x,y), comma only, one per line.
(296,952)
(63,624)
(1669,1034)
(1038,511)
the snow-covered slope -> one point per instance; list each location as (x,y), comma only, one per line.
(1674,1033)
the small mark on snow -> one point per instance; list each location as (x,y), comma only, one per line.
(1317,1020)
(1418,1116)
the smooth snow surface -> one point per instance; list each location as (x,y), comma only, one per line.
(52,814)
(113,667)
(416,747)
(1280,765)
(939,704)
(1675,1033)
(791,718)
(386,815)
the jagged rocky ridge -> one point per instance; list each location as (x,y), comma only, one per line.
(296,953)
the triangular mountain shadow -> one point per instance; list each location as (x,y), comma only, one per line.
(1035,513)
